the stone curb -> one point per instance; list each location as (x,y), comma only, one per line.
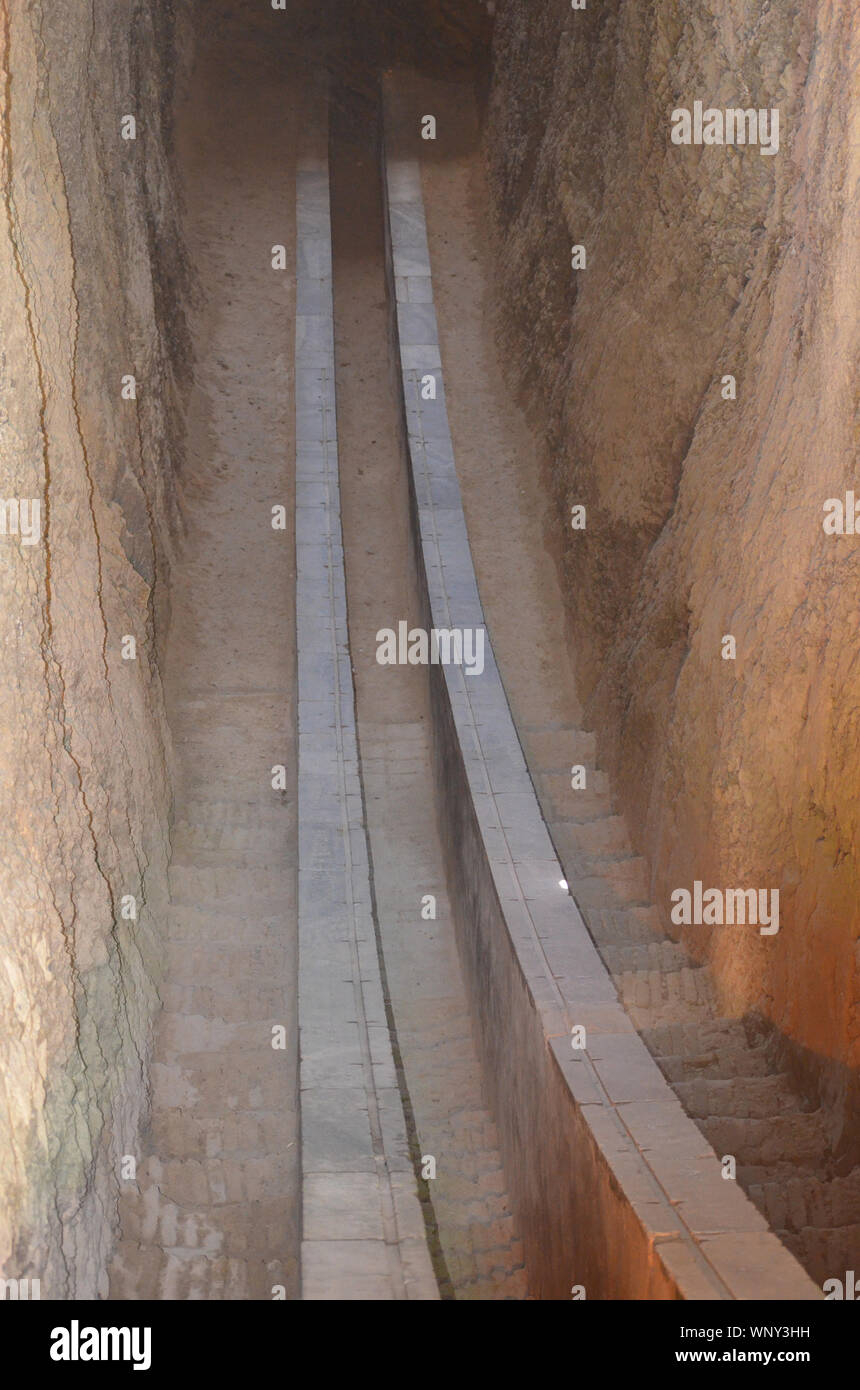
(362,1227)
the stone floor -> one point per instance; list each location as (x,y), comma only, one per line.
(213,1213)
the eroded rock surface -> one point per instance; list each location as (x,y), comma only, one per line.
(704,514)
(90,282)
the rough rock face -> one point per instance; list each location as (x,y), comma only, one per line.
(704,514)
(90,277)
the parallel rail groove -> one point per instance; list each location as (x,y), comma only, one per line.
(616,1189)
(363,1232)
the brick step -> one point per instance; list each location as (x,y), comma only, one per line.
(715,1064)
(268,958)
(149,1272)
(202,1084)
(626,926)
(796,1139)
(827,1253)
(267,802)
(645,956)
(247,1030)
(666,995)
(216,930)
(742,1097)
(557,750)
(253,856)
(721,1047)
(255,901)
(795,1200)
(181,1186)
(612,884)
(224,885)
(249,831)
(564,805)
(595,840)
(178,1132)
(608,869)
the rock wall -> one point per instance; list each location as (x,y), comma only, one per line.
(704,514)
(91,282)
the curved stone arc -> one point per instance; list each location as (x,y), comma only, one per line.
(645,1212)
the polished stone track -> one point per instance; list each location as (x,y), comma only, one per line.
(363,1231)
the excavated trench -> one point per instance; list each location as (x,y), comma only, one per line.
(244,1058)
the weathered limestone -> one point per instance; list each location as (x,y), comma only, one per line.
(91,291)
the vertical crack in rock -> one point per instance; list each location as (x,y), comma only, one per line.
(88,797)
